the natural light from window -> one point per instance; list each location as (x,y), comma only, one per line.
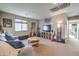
(21,25)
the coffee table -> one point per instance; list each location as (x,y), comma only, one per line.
(34,41)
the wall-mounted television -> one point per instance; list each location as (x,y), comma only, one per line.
(46,28)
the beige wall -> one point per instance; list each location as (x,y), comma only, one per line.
(59,18)
(13,17)
(54,21)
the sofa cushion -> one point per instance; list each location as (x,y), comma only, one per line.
(2,37)
(9,37)
(16,44)
(23,37)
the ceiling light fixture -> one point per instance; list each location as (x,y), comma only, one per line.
(54,3)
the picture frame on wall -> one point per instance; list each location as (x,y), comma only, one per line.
(7,22)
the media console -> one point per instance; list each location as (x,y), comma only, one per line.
(46,35)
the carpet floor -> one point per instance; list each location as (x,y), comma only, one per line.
(48,48)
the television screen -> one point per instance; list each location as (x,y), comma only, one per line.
(46,28)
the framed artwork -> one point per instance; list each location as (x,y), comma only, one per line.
(7,22)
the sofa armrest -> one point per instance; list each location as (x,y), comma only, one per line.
(7,50)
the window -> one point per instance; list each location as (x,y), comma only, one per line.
(21,25)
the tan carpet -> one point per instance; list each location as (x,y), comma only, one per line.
(48,48)
(44,50)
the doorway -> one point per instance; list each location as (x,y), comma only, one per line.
(73,29)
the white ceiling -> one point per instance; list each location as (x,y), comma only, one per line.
(32,10)
(37,10)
